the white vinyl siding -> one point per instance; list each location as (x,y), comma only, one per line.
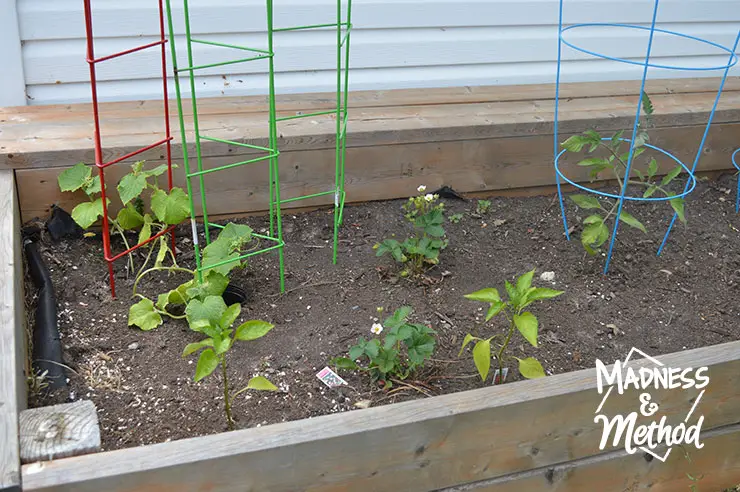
(395,44)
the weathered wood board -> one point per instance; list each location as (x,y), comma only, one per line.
(12,334)
(474,139)
(436,443)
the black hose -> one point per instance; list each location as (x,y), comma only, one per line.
(47,346)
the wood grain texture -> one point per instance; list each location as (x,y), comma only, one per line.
(420,446)
(388,172)
(59,431)
(12,333)
(25,144)
(717,465)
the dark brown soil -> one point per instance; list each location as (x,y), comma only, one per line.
(144,390)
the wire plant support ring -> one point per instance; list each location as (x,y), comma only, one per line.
(100,163)
(269,153)
(646,63)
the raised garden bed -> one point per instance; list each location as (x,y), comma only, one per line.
(444,434)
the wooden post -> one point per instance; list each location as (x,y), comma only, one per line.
(12,334)
(59,431)
(12,80)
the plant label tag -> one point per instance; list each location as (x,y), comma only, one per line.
(330,378)
(497,379)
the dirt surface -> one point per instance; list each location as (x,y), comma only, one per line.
(144,390)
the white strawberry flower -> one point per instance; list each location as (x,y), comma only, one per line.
(421,189)
(377,329)
(429,197)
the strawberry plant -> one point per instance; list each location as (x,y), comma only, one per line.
(607,155)
(422,249)
(520,296)
(405,348)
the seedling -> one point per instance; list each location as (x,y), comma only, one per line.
(213,319)
(426,215)
(483,207)
(165,208)
(404,349)
(520,296)
(455,218)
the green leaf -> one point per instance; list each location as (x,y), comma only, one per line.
(650,191)
(489,295)
(191,348)
(593,219)
(631,221)
(74,178)
(496,307)
(420,347)
(386,361)
(652,168)
(512,292)
(146,230)
(156,171)
(344,363)
(261,383)
(92,186)
(213,284)
(131,186)
(87,213)
(205,316)
(585,201)
(678,207)
(229,316)
(237,234)
(526,323)
(162,253)
(128,218)
(671,175)
(640,141)
(541,294)
(357,351)
(530,368)
(524,282)
(144,315)
(647,104)
(170,209)
(593,161)
(222,344)
(482,358)
(252,330)
(163,300)
(207,363)
(398,318)
(595,234)
(372,348)
(576,143)
(466,341)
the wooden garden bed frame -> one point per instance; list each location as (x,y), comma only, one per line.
(474,139)
(534,435)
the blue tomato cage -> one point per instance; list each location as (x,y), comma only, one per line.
(646,63)
(736,163)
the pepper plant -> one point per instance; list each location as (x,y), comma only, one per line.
(607,155)
(212,318)
(520,296)
(426,214)
(405,348)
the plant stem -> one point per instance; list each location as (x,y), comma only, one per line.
(159,269)
(500,354)
(227,402)
(122,233)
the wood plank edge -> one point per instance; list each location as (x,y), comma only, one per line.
(156,457)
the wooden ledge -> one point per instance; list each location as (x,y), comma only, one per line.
(396,139)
